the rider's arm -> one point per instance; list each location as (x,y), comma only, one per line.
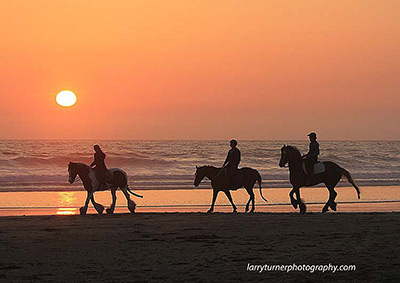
(226,160)
(314,150)
(94,161)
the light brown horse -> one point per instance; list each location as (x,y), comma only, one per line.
(86,174)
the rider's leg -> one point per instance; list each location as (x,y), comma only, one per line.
(309,170)
(230,176)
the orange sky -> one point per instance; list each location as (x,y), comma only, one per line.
(200,69)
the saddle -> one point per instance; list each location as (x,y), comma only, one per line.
(319,168)
(109,176)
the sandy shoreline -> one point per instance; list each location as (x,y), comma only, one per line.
(198,247)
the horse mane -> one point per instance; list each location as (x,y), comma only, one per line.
(207,166)
(82,165)
(294,150)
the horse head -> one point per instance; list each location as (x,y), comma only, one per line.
(199,175)
(72,172)
(288,153)
(284,156)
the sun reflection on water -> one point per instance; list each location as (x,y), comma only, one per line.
(66,203)
(67,211)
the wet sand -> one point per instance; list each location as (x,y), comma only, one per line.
(198,247)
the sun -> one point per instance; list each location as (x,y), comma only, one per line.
(66,98)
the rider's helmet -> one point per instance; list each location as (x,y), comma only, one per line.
(312,134)
(233,142)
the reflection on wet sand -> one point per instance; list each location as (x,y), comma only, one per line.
(380,199)
(67,211)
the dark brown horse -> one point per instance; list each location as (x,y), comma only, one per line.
(330,177)
(88,177)
(220,182)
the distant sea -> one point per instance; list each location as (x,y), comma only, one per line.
(161,165)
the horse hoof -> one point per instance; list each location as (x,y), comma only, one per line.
(209,211)
(131,206)
(294,203)
(99,208)
(333,206)
(109,211)
(325,209)
(247,209)
(235,211)
(82,210)
(252,211)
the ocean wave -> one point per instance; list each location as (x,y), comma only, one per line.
(63,161)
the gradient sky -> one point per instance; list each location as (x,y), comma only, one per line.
(200,69)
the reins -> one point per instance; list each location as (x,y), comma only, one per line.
(219,173)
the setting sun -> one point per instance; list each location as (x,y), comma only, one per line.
(66,98)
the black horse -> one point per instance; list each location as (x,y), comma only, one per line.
(88,177)
(332,175)
(220,182)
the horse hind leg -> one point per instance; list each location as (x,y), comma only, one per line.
(248,202)
(252,201)
(332,196)
(99,208)
(131,203)
(111,209)
(333,204)
(247,205)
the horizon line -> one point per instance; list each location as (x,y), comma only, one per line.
(277,140)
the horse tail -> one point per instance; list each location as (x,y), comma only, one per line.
(350,179)
(132,193)
(259,181)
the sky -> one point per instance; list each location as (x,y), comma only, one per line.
(206,69)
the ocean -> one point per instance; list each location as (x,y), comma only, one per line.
(163,165)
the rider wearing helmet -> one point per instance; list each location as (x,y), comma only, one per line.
(232,162)
(100,169)
(312,156)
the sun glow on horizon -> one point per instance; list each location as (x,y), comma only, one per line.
(66,98)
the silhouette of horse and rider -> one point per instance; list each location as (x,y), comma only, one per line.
(99,178)
(304,171)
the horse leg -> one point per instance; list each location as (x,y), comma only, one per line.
(247,205)
(99,208)
(215,193)
(111,209)
(252,200)
(248,202)
(302,206)
(332,194)
(84,208)
(228,195)
(131,203)
(293,201)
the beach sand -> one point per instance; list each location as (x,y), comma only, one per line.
(198,247)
